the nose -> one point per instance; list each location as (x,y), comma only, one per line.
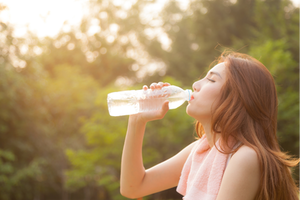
(197,86)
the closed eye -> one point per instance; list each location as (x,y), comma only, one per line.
(211,80)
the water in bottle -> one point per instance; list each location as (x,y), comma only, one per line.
(136,101)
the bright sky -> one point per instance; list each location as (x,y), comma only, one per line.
(44,17)
(47,17)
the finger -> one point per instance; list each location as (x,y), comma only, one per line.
(152,86)
(160,85)
(145,87)
(166,84)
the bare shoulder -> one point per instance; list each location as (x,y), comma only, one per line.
(246,161)
(242,176)
(246,156)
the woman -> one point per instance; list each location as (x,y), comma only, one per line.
(237,155)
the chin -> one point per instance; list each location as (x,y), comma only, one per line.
(196,115)
(187,110)
(190,112)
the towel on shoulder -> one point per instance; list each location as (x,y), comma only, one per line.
(203,171)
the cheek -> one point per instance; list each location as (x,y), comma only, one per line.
(209,94)
(203,102)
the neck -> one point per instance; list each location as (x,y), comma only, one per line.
(209,134)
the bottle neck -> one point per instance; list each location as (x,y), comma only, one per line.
(188,94)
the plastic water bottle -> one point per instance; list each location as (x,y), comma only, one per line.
(136,101)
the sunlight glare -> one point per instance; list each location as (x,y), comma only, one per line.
(44,18)
(94,28)
(296,3)
(114,28)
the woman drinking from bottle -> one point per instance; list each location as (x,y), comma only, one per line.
(237,155)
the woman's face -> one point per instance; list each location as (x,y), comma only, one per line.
(207,92)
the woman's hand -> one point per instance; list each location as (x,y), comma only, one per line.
(153,115)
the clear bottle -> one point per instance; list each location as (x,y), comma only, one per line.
(136,101)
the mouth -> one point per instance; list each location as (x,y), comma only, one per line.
(192,98)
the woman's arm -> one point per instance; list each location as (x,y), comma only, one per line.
(242,176)
(135,180)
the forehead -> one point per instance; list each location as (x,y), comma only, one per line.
(220,68)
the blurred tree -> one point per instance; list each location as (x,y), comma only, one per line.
(70,95)
(101,166)
(20,168)
(197,31)
(93,55)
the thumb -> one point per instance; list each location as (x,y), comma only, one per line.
(165,107)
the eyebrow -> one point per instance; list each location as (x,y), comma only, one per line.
(216,73)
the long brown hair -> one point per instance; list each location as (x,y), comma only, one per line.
(247,112)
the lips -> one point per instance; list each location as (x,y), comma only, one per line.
(192,97)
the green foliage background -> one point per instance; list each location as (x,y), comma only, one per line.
(57,140)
